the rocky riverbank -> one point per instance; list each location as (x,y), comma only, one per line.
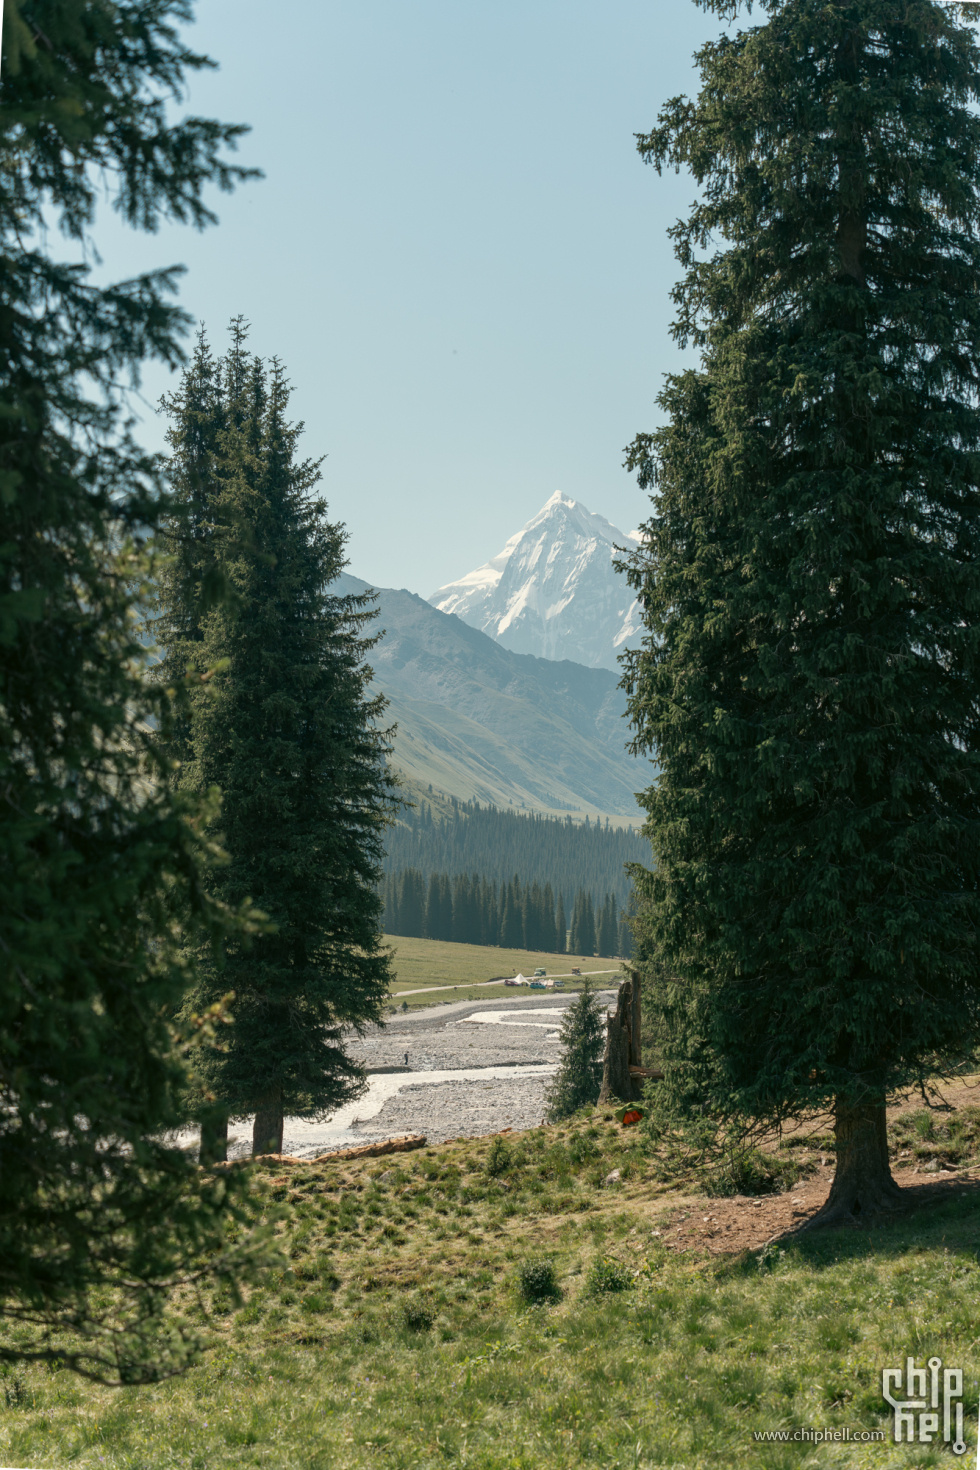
(448,1071)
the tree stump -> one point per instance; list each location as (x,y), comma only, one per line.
(623,1049)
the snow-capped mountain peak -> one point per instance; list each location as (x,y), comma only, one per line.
(552,590)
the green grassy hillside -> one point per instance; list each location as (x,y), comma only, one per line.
(498,1304)
(432,964)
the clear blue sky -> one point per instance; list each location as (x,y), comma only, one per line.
(456,251)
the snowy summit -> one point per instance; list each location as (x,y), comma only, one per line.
(553,590)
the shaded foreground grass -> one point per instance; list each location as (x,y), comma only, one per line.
(399,1333)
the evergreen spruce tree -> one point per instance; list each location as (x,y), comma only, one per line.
(433,908)
(583,935)
(529,918)
(575,927)
(511,926)
(190,580)
(287,732)
(810,578)
(462,922)
(549,927)
(582,1037)
(607,929)
(391,917)
(626,949)
(440,911)
(411,904)
(101,861)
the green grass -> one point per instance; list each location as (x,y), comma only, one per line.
(399,1335)
(443,966)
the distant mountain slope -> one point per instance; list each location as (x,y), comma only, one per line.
(553,590)
(485,724)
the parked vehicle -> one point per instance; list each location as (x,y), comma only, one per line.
(575,970)
(538,985)
(514,980)
(541,972)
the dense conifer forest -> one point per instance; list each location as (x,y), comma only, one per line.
(469,909)
(468,838)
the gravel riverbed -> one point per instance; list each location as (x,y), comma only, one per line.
(503,1053)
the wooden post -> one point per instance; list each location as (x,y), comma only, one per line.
(623,1046)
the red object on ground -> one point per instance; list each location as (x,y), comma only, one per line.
(633,1116)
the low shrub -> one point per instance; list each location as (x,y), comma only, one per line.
(498,1159)
(537,1282)
(607,1275)
(417,1314)
(750,1171)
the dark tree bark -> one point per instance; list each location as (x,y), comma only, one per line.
(636,1055)
(621,1039)
(863,1183)
(214,1140)
(267,1128)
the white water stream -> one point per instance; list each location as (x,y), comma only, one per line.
(305,1138)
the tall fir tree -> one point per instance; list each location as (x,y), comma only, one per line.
(607,928)
(288,733)
(561,927)
(582,939)
(550,929)
(511,934)
(578,1076)
(392,918)
(626,948)
(190,578)
(411,905)
(810,578)
(101,861)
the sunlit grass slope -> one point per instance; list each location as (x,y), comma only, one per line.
(395,1333)
(434,962)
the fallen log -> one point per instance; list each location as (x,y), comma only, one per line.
(653,1072)
(401,1145)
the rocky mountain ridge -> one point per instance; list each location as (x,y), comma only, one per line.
(553,590)
(482,723)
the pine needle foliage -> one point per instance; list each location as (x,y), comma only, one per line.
(582,1036)
(101,862)
(809,577)
(286,730)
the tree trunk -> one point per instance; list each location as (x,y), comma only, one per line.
(267,1128)
(616,1080)
(214,1139)
(863,1183)
(636,1050)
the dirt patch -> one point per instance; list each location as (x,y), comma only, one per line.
(727,1226)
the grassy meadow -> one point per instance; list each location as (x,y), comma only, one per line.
(496,1304)
(442,966)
